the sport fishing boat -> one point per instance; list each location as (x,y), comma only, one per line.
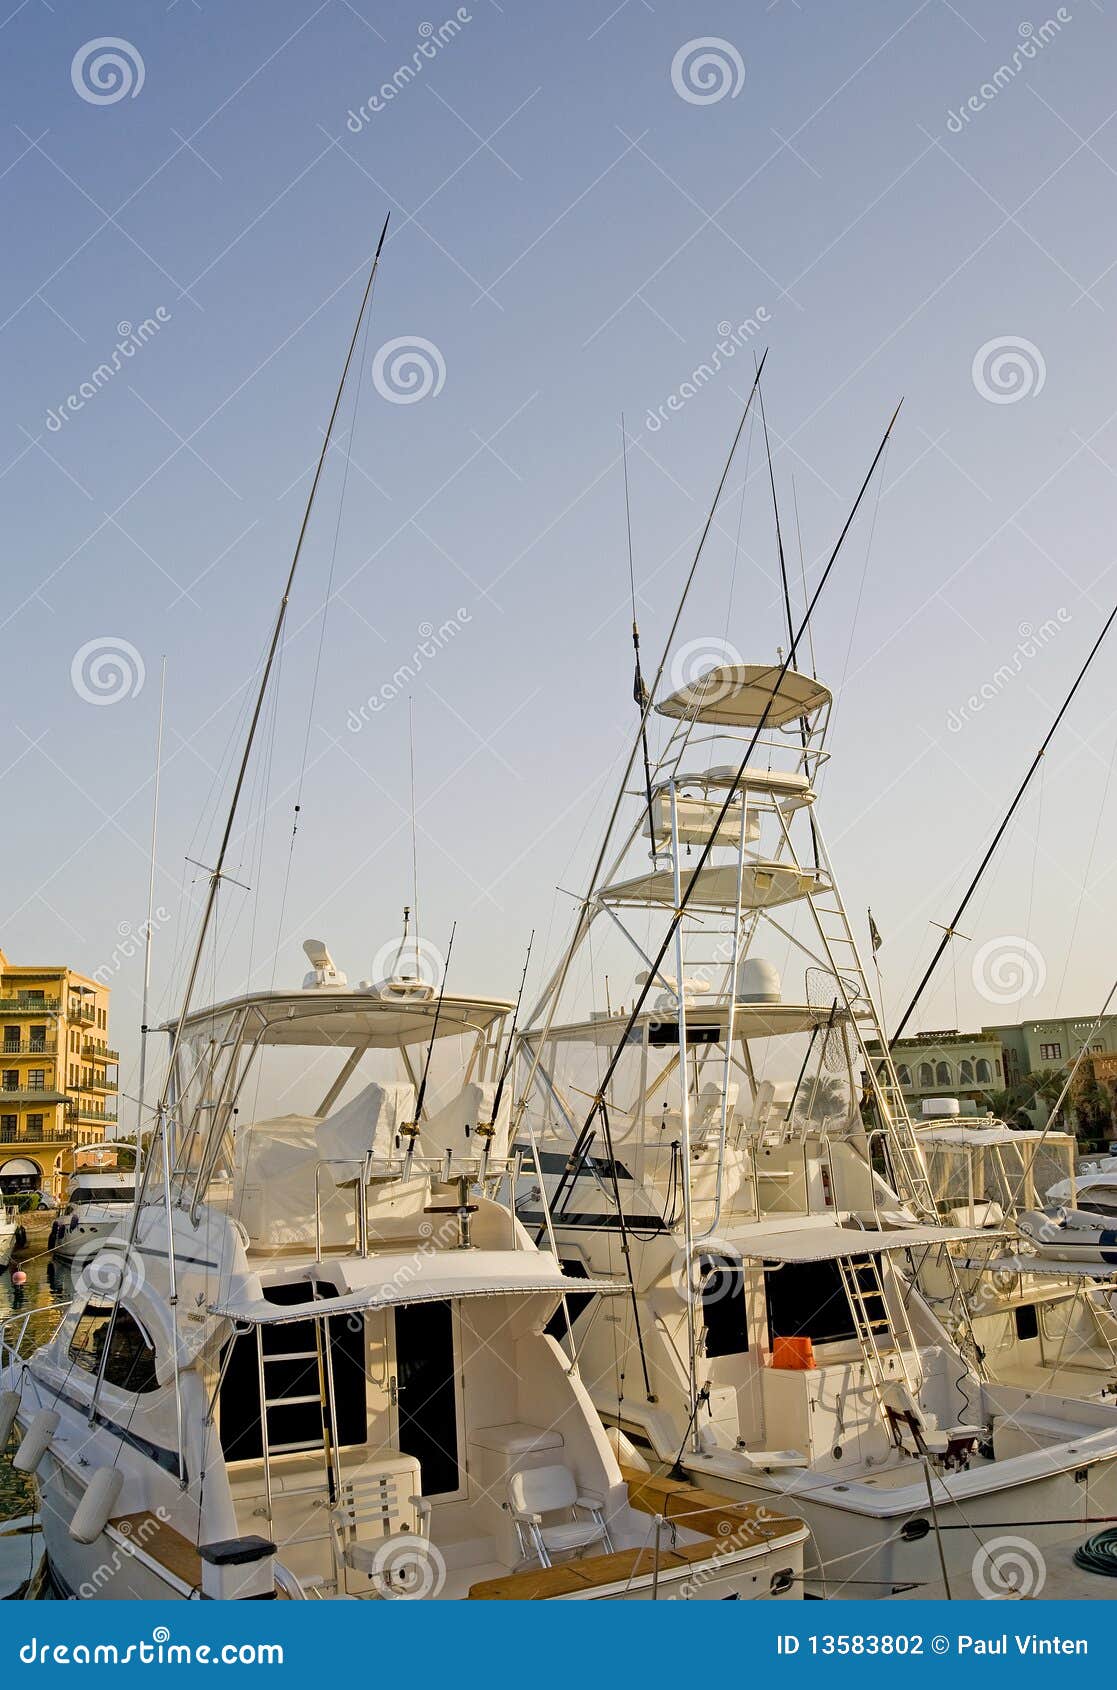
(707,1139)
(324,1359)
(1041,1319)
(97,1202)
(329,1368)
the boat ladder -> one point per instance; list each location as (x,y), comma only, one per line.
(876,1331)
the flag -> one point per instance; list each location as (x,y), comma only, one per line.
(874,934)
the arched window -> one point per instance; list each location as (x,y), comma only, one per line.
(903,1075)
(943,1075)
(984,1071)
(926,1074)
(131,1362)
(965,1072)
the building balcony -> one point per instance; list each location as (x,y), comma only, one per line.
(29,1047)
(31,1094)
(83,1011)
(91,1051)
(100,1083)
(18,1003)
(50,1135)
(89,1114)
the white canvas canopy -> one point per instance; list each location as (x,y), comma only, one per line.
(763,885)
(736,695)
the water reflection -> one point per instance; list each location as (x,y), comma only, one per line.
(48,1282)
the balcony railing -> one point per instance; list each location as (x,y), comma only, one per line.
(89,1113)
(50,1135)
(82,1011)
(29,1047)
(31,1094)
(92,1052)
(100,1083)
(18,1003)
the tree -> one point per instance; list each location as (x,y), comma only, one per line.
(1092,1104)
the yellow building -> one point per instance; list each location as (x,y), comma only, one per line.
(58,1073)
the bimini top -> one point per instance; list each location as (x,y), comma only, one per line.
(736,695)
(814,1243)
(706,1023)
(386,1281)
(346,1016)
(763,886)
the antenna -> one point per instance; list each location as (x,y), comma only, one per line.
(639,690)
(414,834)
(412,1127)
(147,927)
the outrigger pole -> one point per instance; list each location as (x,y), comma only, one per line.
(692,881)
(950,930)
(639,690)
(159,1135)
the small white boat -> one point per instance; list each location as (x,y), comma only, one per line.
(96,1205)
(10,1230)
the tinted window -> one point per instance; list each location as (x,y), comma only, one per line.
(807,1300)
(131,1363)
(722,1299)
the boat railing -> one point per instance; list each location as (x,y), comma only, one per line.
(366,1173)
(14,1330)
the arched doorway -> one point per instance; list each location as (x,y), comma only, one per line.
(19,1174)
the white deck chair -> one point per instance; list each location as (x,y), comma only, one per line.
(538,1494)
(374,1513)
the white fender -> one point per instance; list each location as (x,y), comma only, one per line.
(94,1511)
(36,1441)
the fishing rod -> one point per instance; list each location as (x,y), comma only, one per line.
(950,930)
(159,1136)
(412,1127)
(586,1134)
(639,690)
(507,1063)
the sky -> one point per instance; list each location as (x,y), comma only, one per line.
(895,201)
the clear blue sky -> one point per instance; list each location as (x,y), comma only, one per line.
(568,231)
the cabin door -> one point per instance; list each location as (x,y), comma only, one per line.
(426,1394)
